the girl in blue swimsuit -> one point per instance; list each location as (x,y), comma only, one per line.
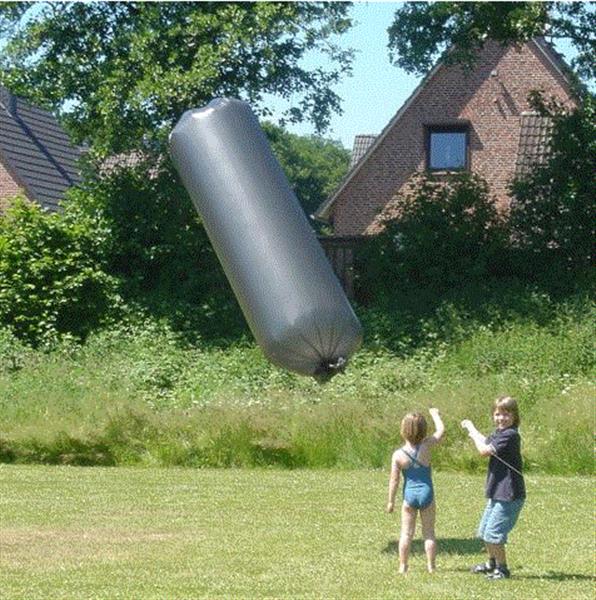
(413,460)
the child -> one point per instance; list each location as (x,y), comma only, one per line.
(414,460)
(505,487)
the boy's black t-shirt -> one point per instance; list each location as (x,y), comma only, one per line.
(503,483)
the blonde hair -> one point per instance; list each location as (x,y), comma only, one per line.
(509,405)
(413,427)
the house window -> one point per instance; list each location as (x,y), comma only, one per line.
(447,148)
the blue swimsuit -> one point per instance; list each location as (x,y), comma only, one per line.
(418,485)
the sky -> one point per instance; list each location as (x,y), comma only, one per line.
(377,89)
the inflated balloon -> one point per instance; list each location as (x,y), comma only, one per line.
(288,292)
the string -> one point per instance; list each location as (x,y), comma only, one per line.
(507,464)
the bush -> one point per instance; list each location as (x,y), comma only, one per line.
(158,248)
(155,241)
(444,232)
(157,400)
(13,352)
(53,277)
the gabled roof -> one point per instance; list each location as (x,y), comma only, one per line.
(132,159)
(36,150)
(546,49)
(362,143)
(534,142)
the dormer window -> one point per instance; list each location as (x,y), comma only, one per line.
(447,148)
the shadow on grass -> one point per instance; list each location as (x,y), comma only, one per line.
(446,545)
(547,576)
(475,546)
(557,576)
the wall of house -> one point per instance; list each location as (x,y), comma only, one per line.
(492,97)
(8,187)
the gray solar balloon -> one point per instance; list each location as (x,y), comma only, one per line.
(286,288)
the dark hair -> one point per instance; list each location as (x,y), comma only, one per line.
(509,405)
(413,427)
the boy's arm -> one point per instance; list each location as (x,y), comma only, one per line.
(478,438)
(393,482)
(437,436)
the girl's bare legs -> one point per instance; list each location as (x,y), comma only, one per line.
(408,526)
(427,518)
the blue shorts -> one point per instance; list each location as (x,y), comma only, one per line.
(498,520)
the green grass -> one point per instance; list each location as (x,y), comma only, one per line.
(74,533)
(142,394)
(134,400)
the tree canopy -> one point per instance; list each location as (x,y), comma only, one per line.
(422,31)
(552,213)
(120,74)
(313,165)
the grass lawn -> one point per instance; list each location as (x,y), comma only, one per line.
(71,532)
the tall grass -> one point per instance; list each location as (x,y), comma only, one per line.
(140,394)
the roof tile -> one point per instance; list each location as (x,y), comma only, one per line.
(37,149)
(534,143)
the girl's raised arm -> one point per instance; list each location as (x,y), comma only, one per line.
(439,426)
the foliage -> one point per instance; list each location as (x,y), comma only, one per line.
(443,231)
(148,237)
(121,73)
(554,207)
(14,353)
(155,240)
(53,276)
(421,31)
(159,400)
(157,246)
(313,165)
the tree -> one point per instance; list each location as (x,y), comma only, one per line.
(422,31)
(154,242)
(313,165)
(120,74)
(554,207)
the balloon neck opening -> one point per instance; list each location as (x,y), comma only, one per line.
(328,368)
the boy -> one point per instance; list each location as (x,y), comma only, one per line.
(505,487)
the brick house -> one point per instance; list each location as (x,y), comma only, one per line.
(477,120)
(37,158)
